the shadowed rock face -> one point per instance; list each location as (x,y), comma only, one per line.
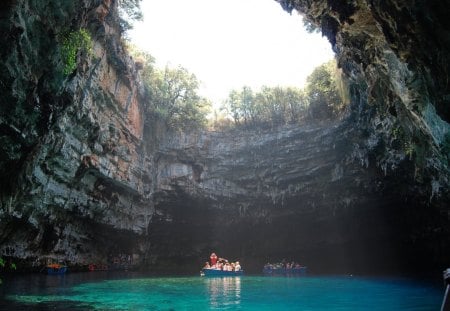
(72,154)
(304,192)
(87,176)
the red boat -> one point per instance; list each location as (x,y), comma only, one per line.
(94,267)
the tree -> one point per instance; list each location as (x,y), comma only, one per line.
(172,93)
(174,97)
(324,97)
(265,104)
(271,105)
(247,105)
(322,91)
(296,104)
(129,12)
(233,106)
(241,106)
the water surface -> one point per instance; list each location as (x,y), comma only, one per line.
(103,291)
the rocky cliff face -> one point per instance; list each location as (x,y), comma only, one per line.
(86,176)
(309,192)
(73,157)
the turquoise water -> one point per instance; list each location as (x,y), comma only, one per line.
(238,293)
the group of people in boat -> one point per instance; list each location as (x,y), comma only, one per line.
(223,264)
(283,265)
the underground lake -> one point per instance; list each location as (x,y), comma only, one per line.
(132,291)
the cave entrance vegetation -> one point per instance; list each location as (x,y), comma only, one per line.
(97,174)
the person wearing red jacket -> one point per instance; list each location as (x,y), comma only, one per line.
(213,259)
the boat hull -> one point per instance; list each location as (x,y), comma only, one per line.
(93,267)
(213,272)
(56,271)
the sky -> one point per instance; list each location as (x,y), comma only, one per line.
(229,44)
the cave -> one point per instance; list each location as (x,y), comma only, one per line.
(85,174)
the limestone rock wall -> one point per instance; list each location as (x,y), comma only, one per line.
(395,57)
(75,180)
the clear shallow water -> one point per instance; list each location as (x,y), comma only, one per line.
(99,292)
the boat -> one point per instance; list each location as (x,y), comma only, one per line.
(56,269)
(285,271)
(215,272)
(94,267)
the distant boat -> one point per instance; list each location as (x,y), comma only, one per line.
(55,269)
(285,271)
(94,267)
(214,272)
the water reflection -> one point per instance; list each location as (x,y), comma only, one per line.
(224,292)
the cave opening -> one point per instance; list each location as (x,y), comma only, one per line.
(340,218)
(231,45)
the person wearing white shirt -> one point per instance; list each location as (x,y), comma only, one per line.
(237,267)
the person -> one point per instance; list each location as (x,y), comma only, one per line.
(237,267)
(207,266)
(213,259)
(219,266)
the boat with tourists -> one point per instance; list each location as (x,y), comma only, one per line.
(221,267)
(215,272)
(55,269)
(283,268)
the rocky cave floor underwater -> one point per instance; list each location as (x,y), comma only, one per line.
(106,290)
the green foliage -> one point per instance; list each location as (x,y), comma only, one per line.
(73,43)
(271,105)
(325,101)
(173,94)
(129,11)
(174,91)
(12,266)
(324,97)
(173,97)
